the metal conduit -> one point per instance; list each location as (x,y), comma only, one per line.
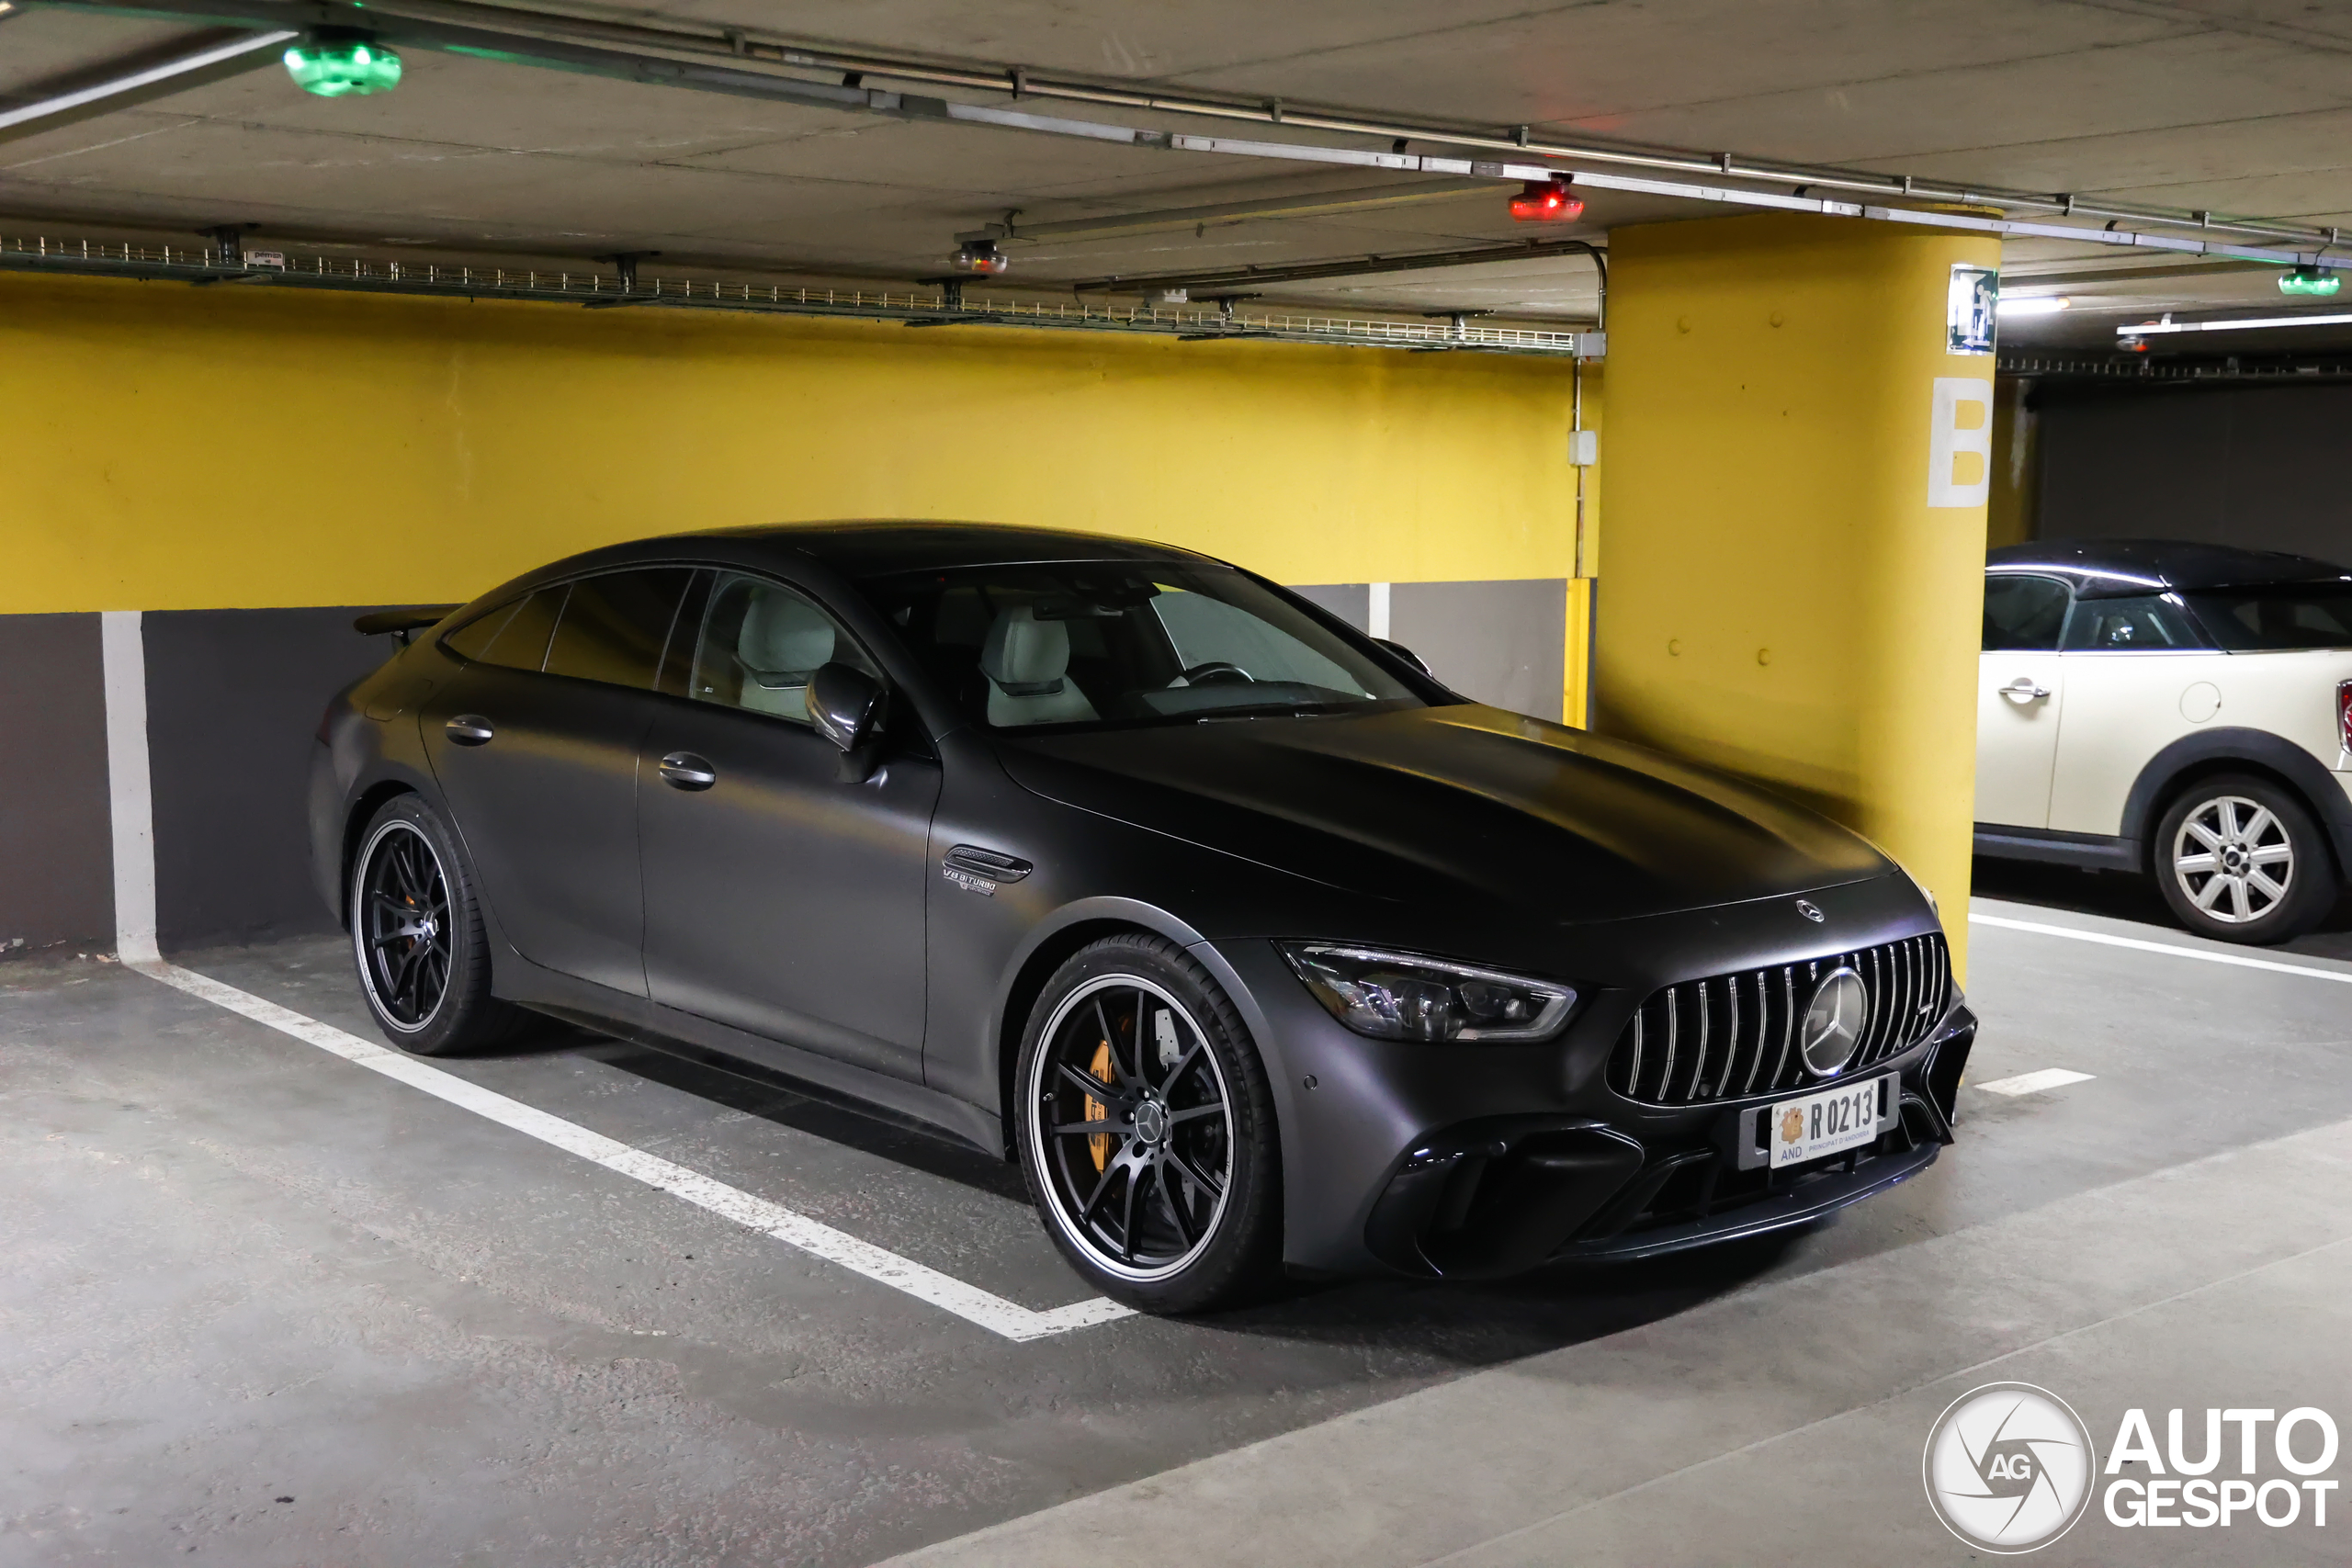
(392,18)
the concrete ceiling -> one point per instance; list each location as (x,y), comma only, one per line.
(2239,106)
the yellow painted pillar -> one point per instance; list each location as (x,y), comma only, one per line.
(1797,474)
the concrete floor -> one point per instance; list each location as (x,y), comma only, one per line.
(267,1307)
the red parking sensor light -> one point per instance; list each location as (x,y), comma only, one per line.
(1546,201)
(981,257)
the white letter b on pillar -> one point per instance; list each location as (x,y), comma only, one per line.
(1959,462)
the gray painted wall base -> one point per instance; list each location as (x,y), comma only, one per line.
(1503,642)
(56,838)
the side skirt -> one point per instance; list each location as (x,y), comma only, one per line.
(755,1057)
(2096,850)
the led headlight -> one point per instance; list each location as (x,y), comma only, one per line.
(1395,996)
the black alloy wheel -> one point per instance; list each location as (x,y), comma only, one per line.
(1145,1128)
(403,915)
(2240,858)
(417,937)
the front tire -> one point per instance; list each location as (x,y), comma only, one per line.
(2239,858)
(417,936)
(1145,1128)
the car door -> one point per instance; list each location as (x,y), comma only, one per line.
(781,896)
(2135,668)
(2020,693)
(535,746)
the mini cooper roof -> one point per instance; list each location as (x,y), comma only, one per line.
(2113,569)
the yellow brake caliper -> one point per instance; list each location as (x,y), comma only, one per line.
(1099,1144)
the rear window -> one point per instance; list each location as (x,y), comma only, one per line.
(514,634)
(2302,614)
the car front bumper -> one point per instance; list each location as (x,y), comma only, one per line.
(1481,1161)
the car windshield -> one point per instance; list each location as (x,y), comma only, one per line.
(2287,616)
(1108,643)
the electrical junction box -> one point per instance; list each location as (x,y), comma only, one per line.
(1592,345)
(1584,447)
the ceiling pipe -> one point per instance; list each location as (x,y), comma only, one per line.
(1365,199)
(208,264)
(1354,266)
(248,52)
(527,49)
(1022,82)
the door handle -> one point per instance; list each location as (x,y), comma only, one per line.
(2022,691)
(470,729)
(686,771)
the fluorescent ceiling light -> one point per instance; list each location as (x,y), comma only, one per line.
(2149,329)
(2034,305)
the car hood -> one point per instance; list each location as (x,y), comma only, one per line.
(1447,802)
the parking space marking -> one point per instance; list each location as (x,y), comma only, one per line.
(2034,1083)
(2171,949)
(970,1302)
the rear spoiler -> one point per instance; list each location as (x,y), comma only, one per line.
(402,623)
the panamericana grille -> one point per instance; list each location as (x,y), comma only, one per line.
(1729,1036)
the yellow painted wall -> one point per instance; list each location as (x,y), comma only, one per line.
(1778,597)
(171,447)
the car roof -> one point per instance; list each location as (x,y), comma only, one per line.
(2107,568)
(868,548)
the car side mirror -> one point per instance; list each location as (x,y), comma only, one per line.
(846,705)
(1407,654)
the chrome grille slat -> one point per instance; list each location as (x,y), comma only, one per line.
(1699,1062)
(1722,1051)
(1673,1028)
(1788,1022)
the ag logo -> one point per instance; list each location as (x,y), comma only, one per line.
(2009,1468)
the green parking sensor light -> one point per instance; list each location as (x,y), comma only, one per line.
(2309,280)
(342,65)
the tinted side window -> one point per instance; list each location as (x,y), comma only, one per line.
(2295,615)
(2023,612)
(514,635)
(2116,626)
(760,643)
(614,627)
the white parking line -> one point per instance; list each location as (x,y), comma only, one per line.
(132,811)
(2033,1083)
(970,1302)
(2171,949)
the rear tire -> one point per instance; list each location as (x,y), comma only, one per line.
(1145,1128)
(417,937)
(2240,859)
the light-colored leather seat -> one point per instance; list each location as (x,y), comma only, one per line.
(783,640)
(1026,662)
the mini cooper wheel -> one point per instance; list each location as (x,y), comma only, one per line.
(417,937)
(2240,859)
(1145,1128)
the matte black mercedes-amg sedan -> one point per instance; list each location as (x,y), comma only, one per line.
(1253,943)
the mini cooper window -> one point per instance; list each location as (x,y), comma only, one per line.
(2023,612)
(2119,625)
(515,635)
(1118,643)
(760,644)
(2291,616)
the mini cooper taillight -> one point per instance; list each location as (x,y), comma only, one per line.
(2344,714)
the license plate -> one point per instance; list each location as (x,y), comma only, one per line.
(1828,1122)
